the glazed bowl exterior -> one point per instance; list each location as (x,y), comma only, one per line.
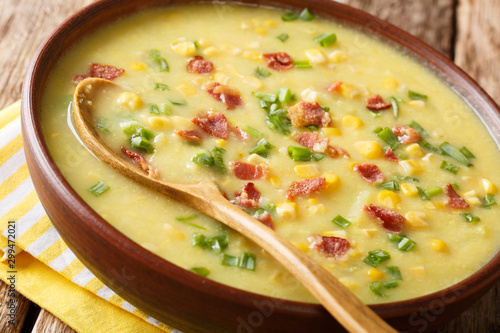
(183,299)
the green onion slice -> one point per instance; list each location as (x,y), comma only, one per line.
(98,188)
(455,153)
(262,148)
(201,271)
(389,137)
(179,102)
(299,154)
(423,194)
(395,272)
(218,159)
(466,152)
(341,222)
(376,257)
(248,261)
(153,108)
(302,64)
(229,260)
(470,218)
(160,62)
(283,37)
(326,39)
(390,185)
(376,288)
(415,95)
(102,124)
(289,17)
(395,106)
(449,167)
(390,284)
(160,86)
(203,157)
(434,191)
(252,131)
(306,15)
(489,200)
(417,127)
(261,72)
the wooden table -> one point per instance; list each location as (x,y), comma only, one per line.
(464,30)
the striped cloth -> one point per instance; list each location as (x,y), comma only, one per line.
(34,233)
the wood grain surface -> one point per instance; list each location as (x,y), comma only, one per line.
(465,30)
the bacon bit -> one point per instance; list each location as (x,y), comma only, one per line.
(100,71)
(266,219)
(247,171)
(78,78)
(390,155)
(307,139)
(370,173)
(213,123)
(307,114)
(310,140)
(454,200)
(305,186)
(279,61)
(226,94)
(241,134)
(198,65)
(334,152)
(406,134)
(376,103)
(335,247)
(141,161)
(190,135)
(248,197)
(335,86)
(388,219)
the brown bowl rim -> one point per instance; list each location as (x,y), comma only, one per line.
(466,87)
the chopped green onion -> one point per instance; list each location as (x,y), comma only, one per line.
(390,185)
(312,128)
(216,243)
(326,108)
(376,288)
(261,72)
(140,142)
(402,156)
(203,157)
(326,39)
(390,284)
(218,159)
(455,186)
(229,260)
(98,188)
(262,148)
(470,218)
(160,62)
(160,86)
(299,154)
(302,64)
(306,15)
(408,178)
(395,272)
(317,156)
(289,17)
(153,108)
(248,261)
(417,127)
(186,217)
(252,131)
(415,95)
(102,124)
(466,152)
(201,271)
(278,120)
(283,37)
(449,167)
(455,153)
(285,95)
(395,106)
(389,137)
(423,194)
(341,222)
(165,109)
(180,102)
(489,200)
(428,146)
(434,191)
(376,257)
(374,114)
(406,244)
(198,240)
(270,98)
(377,130)
(394,237)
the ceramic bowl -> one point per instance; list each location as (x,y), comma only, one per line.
(176,296)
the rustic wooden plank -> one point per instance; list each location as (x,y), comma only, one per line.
(430,20)
(22,305)
(47,323)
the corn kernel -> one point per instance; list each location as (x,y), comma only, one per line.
(334,233)
(352,122)
(411,167)
(138,66)
(307,170)
(253,82)
(261,31)
(316,56)
(130,100)
(276,181)
(472,198)
(370,232)
(417,103)
(210,51)
(199,80)
(331,131)
(348,90)
(202,42)
(375,274)
(430,206)
(313,201)
(489,187)
(270,23)
(389,198)
(418,271)
(222,77)
(369,149)
(409,190)
(302,247)
(430,157)
(332,180)
(391,84)
(186,89)
(310,95)
(230,49)
(158,123)
(416,219)
(173,232)
(251,55)
(256,159)
(337,56)
(183,47)
(221,142)
(414,150)
(320,209)
(287,209)
(438,245)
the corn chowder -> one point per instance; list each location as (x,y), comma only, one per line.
(358,155)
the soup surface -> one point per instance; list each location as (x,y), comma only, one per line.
(351,150)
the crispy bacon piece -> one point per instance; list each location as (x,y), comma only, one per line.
(78,78)
(248,197)
(266,219)
(370,173)
(100,71)
(388,219)
(307,114)
(310,140)
(390,155)
(305,186)
(213,123)
(332,246)
(190,135)
(279,61)
(247,171)
(406,134)
(334,87)
(141,161)
(226,94)
(334,152)
(376,103)
(454,200)
(241,134)
(198,65)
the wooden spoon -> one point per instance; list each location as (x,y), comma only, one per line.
(206,198)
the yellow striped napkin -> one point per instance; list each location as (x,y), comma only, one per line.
(48,272)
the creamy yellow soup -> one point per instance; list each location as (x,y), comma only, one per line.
(435,246)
